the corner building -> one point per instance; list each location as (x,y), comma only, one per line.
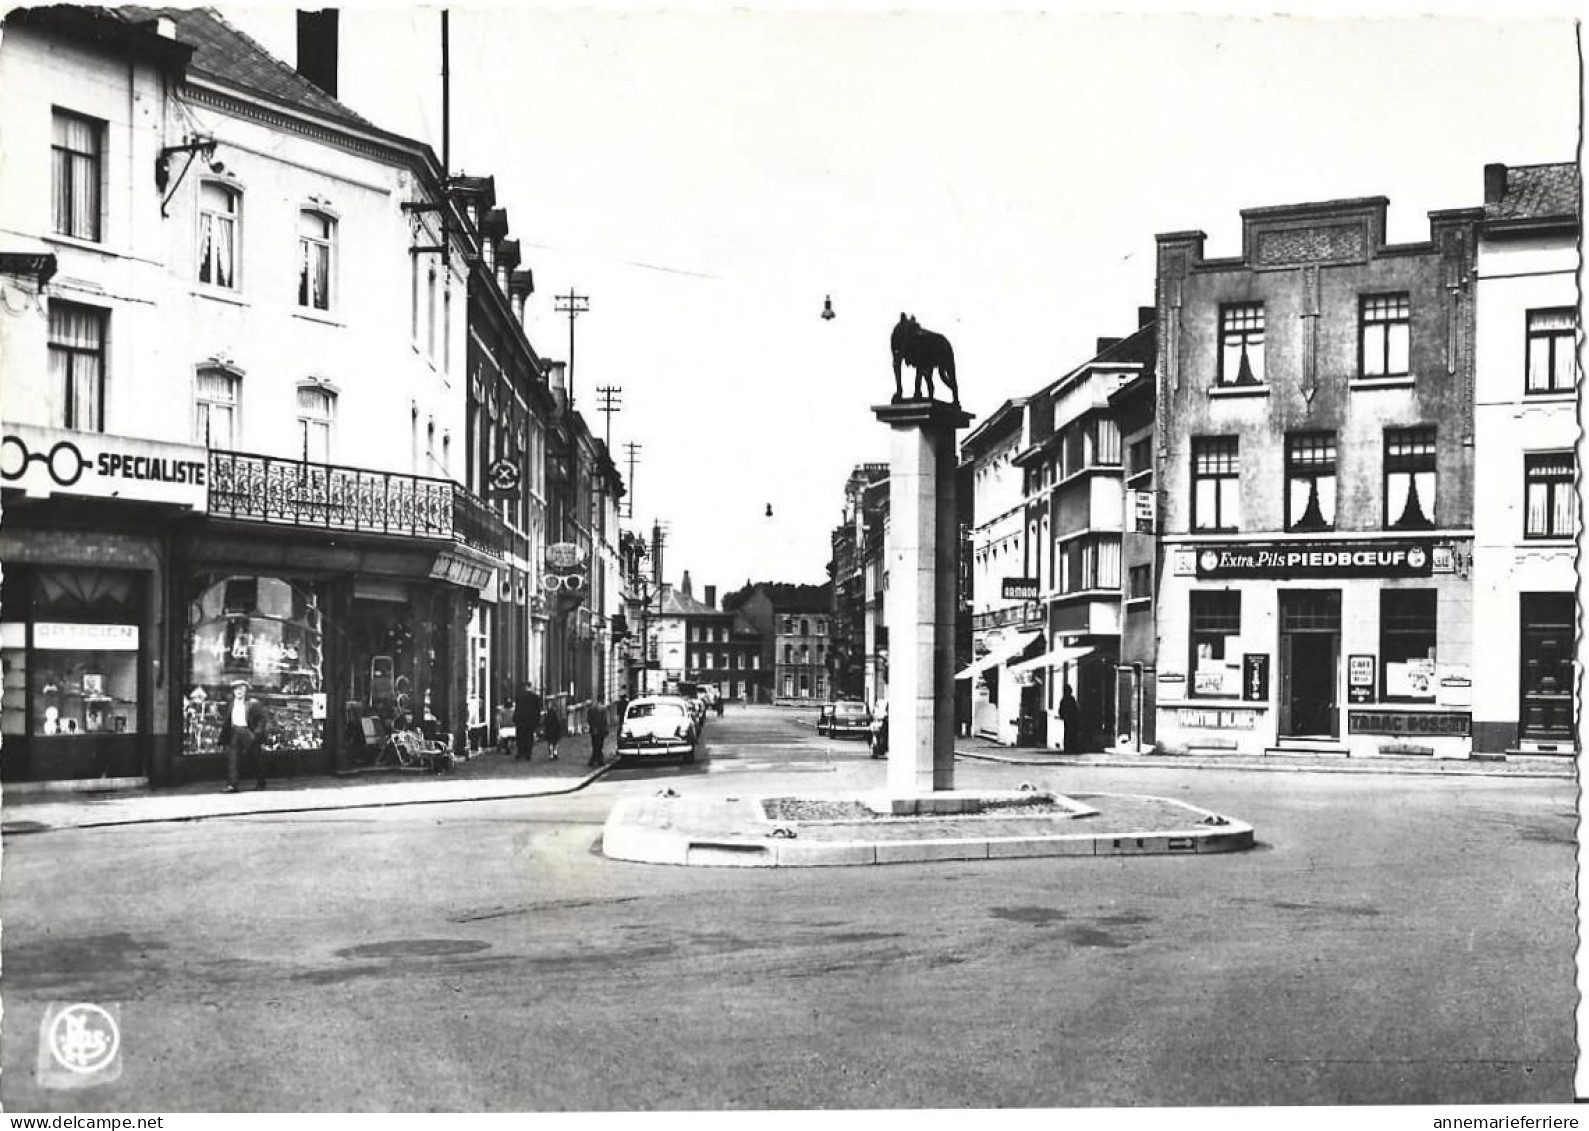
(1315,444)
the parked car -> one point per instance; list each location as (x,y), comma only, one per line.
(658,726)
(844,717)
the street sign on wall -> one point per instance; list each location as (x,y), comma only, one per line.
(1020,589)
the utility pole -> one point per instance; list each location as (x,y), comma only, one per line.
(633,451)
(573,305)
(611,398)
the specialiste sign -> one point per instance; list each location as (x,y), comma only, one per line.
(1315,559)
(56,461)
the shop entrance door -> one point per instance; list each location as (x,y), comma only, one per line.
(1545,713)
(1310,650)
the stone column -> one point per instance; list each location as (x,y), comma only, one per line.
(920,605)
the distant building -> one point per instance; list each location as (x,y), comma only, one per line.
(846,568)
(1006,617)
(792,621)
(1527,515)
(1076,519)
(1315,414)
(1140,561)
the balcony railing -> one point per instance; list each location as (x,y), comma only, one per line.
(291,492)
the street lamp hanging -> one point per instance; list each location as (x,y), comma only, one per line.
(827,309)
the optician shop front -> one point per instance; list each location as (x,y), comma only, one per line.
(1357,647)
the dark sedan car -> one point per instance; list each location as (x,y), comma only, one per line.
(844,718)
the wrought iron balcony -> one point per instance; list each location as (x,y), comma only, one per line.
(289,492)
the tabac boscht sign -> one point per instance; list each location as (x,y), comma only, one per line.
(1315,559)
(54,461)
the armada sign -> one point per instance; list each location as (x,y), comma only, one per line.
(56,461)
(1315,559)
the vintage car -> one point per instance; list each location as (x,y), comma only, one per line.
(658,726)
(844,717)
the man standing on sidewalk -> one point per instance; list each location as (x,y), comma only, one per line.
(241,732)
(1070,715)
(596,718)
(526,717)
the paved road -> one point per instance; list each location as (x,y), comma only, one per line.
(1393,940)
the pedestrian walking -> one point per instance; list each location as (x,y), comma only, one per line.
(552,729)
(241,732)
(526,717)
(596,716)
(1070,715)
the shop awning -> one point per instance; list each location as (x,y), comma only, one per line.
(1054,659)
(1014,646)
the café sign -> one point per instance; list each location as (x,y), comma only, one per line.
(1315,559)
(1020,589)
(57,461)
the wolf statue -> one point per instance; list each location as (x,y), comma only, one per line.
(926,353)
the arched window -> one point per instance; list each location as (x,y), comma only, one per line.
(316,414)
(316,244)
(220,218)
(217,400)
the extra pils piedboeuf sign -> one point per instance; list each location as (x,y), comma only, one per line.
(51,461)
(1315,559)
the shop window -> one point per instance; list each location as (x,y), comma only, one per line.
(215,408)
(1310,481)
(1552,358)
(316,240)
(1549,501)
(219,208)
(1241,329)
(1409,478)
(1215,626)
(76,147)
(77,364)
(1407,644)
(1384,336)
(316,414)
(82,674)
(1216,483)
(266,631)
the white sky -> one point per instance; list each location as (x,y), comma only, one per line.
(706,176)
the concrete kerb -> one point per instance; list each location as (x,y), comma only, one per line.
(1444,768)
(333,803)
(736,833)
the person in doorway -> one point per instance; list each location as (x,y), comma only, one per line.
(241,732)
(552,730)
(596,717)
(1070,715)
(526,717)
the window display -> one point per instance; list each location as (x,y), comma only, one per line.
(79,688)
(268,632)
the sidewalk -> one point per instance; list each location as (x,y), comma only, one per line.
(487,776)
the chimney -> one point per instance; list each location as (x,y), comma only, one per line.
(1494,183)
(1146,316)
(1108,343)
(317,48)
(684,586)
(711,596)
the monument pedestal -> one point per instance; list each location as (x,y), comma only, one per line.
(920,604)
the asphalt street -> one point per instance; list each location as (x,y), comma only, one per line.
(1392,940)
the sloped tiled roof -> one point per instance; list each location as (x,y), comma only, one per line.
(677,604)
(226,55)
(1534,192)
